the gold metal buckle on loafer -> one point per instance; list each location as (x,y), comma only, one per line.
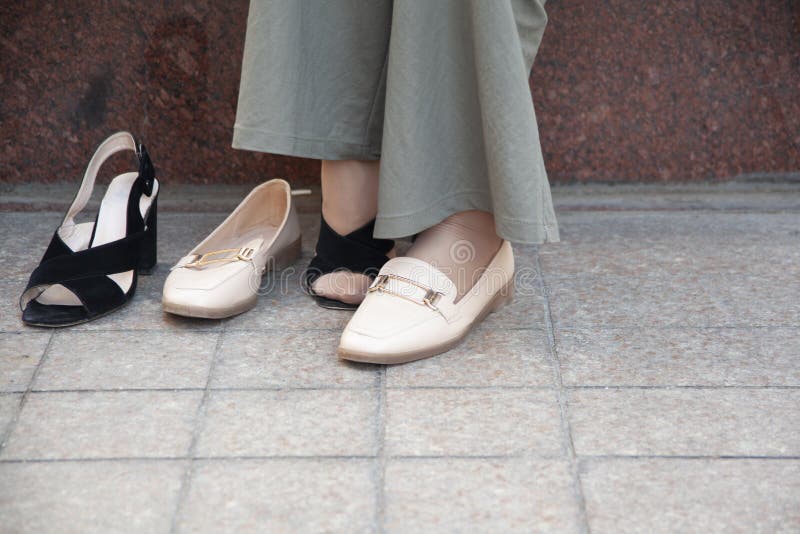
(430,298)
(242,254)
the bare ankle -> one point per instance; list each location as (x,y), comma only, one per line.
(349,194)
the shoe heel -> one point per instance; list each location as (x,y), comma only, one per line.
(285,257)
(148,258)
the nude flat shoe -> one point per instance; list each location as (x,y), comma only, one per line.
(410,311)
(221,276)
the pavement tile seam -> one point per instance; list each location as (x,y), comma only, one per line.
(9,429)
(379,469)
(333,457)
(374,387)
(214,389)
(651,277)
(679,387)
(199,421)
(558,327)
(23,330)
(216,330)
(280,457)
(613,457)
(408,388)
(5,426)
(737,326)
(566,431)
(624,328)
(97,459)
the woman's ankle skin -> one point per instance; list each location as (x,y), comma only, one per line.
(349,194)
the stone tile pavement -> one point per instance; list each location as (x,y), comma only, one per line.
(645,379)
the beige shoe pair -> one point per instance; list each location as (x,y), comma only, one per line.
(411,311)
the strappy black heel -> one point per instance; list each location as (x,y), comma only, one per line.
(90,269)
(357,252)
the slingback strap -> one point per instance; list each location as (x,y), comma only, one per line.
(357,251)
(114,143)
(89,264)
(147,173)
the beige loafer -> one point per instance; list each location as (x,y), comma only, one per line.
(221,276)
(411,312)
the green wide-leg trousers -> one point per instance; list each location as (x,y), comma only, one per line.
(436,89)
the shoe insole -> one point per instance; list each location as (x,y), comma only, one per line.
(111,225)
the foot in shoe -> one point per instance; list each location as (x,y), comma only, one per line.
(343,285)
(415,308)
(461,247)
(344,265)
(346,248)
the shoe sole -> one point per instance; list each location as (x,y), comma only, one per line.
(82,321)
(141,271)
(280,260)
(502,298)
(332,304)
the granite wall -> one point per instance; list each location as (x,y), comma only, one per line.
(673,90)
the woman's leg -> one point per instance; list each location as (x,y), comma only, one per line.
(349,193)
(461,166)
(460,131)
(349,201)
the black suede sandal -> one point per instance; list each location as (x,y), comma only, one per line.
(356,252)
(90,269)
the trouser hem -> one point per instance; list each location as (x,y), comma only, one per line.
(525,232)
(290,145)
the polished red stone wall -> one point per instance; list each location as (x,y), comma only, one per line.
(670,89)
(625,91)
